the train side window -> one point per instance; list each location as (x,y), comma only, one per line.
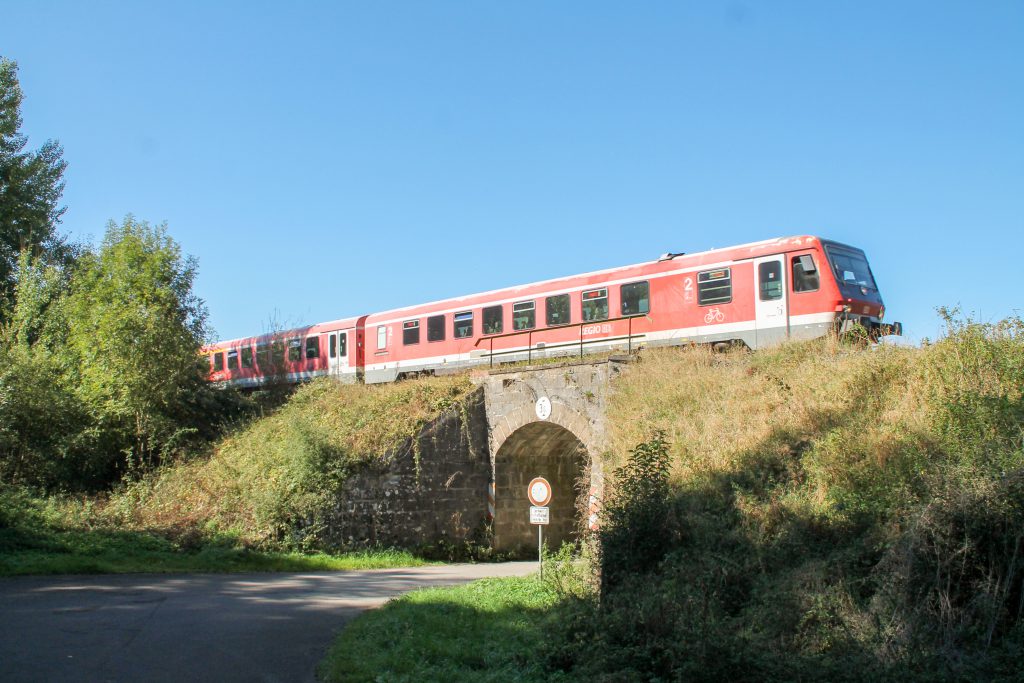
(558,310)
(595,304)
(463,324)
(636,298)
(332,346)
(411,332)
(246,356)
(218,361)
(493,320)
(277,353)
(233,359)
(342,345)
(382,337)
(263,355)
(524,315)
(805,274)
(435,328)
(312,347)
(714,287)
(294,350)
(769,275)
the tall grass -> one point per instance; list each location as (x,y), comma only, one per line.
(840,513)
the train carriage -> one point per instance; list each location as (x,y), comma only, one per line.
(756,294)
(326,349)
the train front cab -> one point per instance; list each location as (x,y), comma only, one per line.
(859,303)
(811,291)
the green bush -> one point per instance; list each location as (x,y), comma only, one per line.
(41,424)
(637,522)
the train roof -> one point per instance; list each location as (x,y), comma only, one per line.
(667,262)
(302,331)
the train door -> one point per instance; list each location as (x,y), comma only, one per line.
(337,353)
(770,300)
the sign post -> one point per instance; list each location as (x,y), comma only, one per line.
(539,493)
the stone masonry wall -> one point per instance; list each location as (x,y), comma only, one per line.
(412,500)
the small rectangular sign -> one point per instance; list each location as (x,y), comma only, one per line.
(539,515)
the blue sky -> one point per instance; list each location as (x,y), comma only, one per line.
(327,159)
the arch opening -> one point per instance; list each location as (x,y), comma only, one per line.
(538,449)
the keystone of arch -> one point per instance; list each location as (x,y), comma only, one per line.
(561,415)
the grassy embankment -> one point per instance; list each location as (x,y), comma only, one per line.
(833,514)
(251,503)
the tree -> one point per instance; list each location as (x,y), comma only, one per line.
(31,186)
(100,371)
(136,328)
(41,418)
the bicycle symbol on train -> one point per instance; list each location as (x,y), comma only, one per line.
(714,316)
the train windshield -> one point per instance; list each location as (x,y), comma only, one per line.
(850,266)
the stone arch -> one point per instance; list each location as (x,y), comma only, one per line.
(550,449)
(525,414)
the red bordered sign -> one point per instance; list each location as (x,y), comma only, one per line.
(539,491)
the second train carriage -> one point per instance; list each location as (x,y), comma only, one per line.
(325,349)
(756,294)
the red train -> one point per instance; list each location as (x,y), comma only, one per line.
(756,294)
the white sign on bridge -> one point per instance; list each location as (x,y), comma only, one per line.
(539,515)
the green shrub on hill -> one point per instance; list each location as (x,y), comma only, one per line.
(639,526)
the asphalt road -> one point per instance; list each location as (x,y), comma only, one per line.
(208,627)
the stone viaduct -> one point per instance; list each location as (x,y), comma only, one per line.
(464,478)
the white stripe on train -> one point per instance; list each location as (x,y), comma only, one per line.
(681,334)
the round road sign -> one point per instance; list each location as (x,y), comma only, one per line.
(539,491)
